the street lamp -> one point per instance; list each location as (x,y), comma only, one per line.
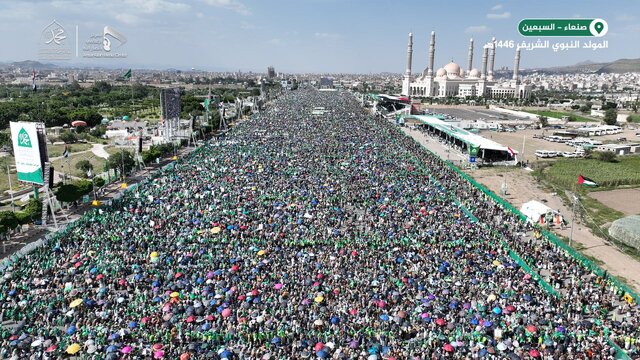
(95,201)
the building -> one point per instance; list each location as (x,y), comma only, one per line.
(451,80)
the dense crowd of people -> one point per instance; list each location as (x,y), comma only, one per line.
(301,236)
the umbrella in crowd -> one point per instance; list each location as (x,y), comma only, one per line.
(305,236)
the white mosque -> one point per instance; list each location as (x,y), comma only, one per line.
(452,80)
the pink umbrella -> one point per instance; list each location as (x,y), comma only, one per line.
(440,322)
(278,286)
(166,307)
(226,313)
(235,268)
(318,346)
(534,353)
(381,304)
(157,347)
(158,354)
(448,348)
(78,123)
(125,350)
(353,311)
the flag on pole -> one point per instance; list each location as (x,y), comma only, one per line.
(66,152)
(585,181)
(511,151)
(127,75)
(33,81)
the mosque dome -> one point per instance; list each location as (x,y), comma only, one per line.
(441,72)
(474,73)
(452,69)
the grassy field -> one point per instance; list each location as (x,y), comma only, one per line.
(564,172)
(68,165)
(4,180)
(57,150)
(635,118)
(560,114)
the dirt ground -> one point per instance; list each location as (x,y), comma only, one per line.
(626,201)
(514,141)
(522,187)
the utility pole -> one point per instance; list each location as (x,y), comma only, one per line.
(573,218)
(13,206)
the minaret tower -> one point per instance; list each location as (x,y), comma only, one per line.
(516,66)
(432,53)
(492,58)
(470,59)
(406,81)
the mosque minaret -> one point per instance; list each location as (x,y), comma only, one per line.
(452,81)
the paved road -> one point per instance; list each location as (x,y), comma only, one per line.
(98,150)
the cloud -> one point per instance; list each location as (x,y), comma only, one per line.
(476,29)
(326,35)
(504,15)
(246,26)
(625,17)
(496,7)
(233,5)
(275,42)
(634,28)
(155,6)
(128,19)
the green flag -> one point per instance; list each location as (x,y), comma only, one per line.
(127,75)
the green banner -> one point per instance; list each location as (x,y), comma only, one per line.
(563,27)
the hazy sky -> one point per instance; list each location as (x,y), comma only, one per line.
(309,35)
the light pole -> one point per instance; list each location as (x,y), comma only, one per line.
(93,187)
(573,218)
(13,206)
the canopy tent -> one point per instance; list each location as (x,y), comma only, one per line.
(489,150)
(537,212)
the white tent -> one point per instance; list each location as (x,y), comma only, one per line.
(534,210)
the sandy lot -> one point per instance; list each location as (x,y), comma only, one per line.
(626,201)
(522,187)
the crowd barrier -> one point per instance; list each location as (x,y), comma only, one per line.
(621,288)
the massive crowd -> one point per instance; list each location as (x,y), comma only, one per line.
(301,236)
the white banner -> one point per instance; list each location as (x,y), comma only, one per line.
(27,152)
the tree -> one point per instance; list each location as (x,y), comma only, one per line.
(98,182)
(84,165)
(122,160)
(607,156)
(610,116)
(8,221)
(629,119)
(33,210)
(5,140)
(102,87)
(68,137)
(73,191)
(543,120)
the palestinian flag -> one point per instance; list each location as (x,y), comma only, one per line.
(511,152)
(585,181)
(127,75)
